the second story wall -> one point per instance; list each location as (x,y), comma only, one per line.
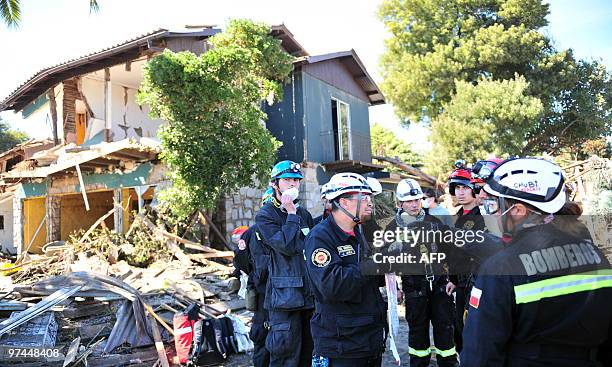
(321,103)
(127,118)
(285,120)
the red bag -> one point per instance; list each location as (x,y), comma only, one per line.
(183,335)
(183,331)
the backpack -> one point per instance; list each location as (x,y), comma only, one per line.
(213,341)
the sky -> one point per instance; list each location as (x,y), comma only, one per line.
(55,31)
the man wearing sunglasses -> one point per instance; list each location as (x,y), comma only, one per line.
(348,325)
(546,298)
(283,225)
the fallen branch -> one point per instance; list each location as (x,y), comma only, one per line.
(408,168)
(97,223)
(176,251)
(205,219)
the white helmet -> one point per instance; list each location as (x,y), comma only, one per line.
(342,183)
(533,181)
(408,189)
(374,185)
(324,189)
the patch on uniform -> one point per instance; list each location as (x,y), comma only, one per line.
(345,250)
(321,257)
(475,297)
(241,244)
(468,225)
(305,231)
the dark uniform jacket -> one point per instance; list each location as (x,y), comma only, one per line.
(548,303)
(417,285)
(287,287)
(350,314)
(462,265)
(253,260)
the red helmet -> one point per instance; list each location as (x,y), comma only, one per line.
(460,176)
(238,232)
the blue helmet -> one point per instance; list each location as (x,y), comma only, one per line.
(267,196)
(286,169)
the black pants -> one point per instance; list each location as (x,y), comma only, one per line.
(289,340)
(356,362)
(438,308)
(460,303)
(258,334)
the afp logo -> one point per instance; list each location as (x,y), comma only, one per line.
(527,186)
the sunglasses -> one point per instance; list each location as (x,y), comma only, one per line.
(365,198)
(477,189)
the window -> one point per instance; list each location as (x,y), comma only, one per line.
(341,127)
(1,222)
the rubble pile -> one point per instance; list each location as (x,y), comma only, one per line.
(108,299)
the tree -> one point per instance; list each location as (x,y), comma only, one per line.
(10,11)
(386,143)
(9,138)
(488,118)
(437,46)
(214,141)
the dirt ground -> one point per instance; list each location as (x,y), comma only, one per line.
(244,360)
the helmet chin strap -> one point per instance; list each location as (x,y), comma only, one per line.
(355,218)
(502,207)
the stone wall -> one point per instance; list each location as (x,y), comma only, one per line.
(239,209)
(53,208)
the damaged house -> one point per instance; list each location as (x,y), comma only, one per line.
(102,151)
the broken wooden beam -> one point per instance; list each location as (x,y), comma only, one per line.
(408,168)
(159,344)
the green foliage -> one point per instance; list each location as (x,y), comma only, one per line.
(386,143)
(490,117)
(9,137)
(10,12)
(214,141)
(437,46)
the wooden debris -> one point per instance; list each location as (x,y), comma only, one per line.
(72,351)
(114,360)
(39,308)
(159,344)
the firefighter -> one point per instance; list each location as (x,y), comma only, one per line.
(253,258)
(349,320)
(432,206)
(326,207)
(428,297)
(283,224)
(546,298)
(468,217)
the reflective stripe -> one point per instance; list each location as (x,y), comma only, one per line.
(183,330)
(560,286)
(446,353)
(419,353)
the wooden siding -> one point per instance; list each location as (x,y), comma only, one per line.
(197,46)
(286,122)
(334,73)
(318,121)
